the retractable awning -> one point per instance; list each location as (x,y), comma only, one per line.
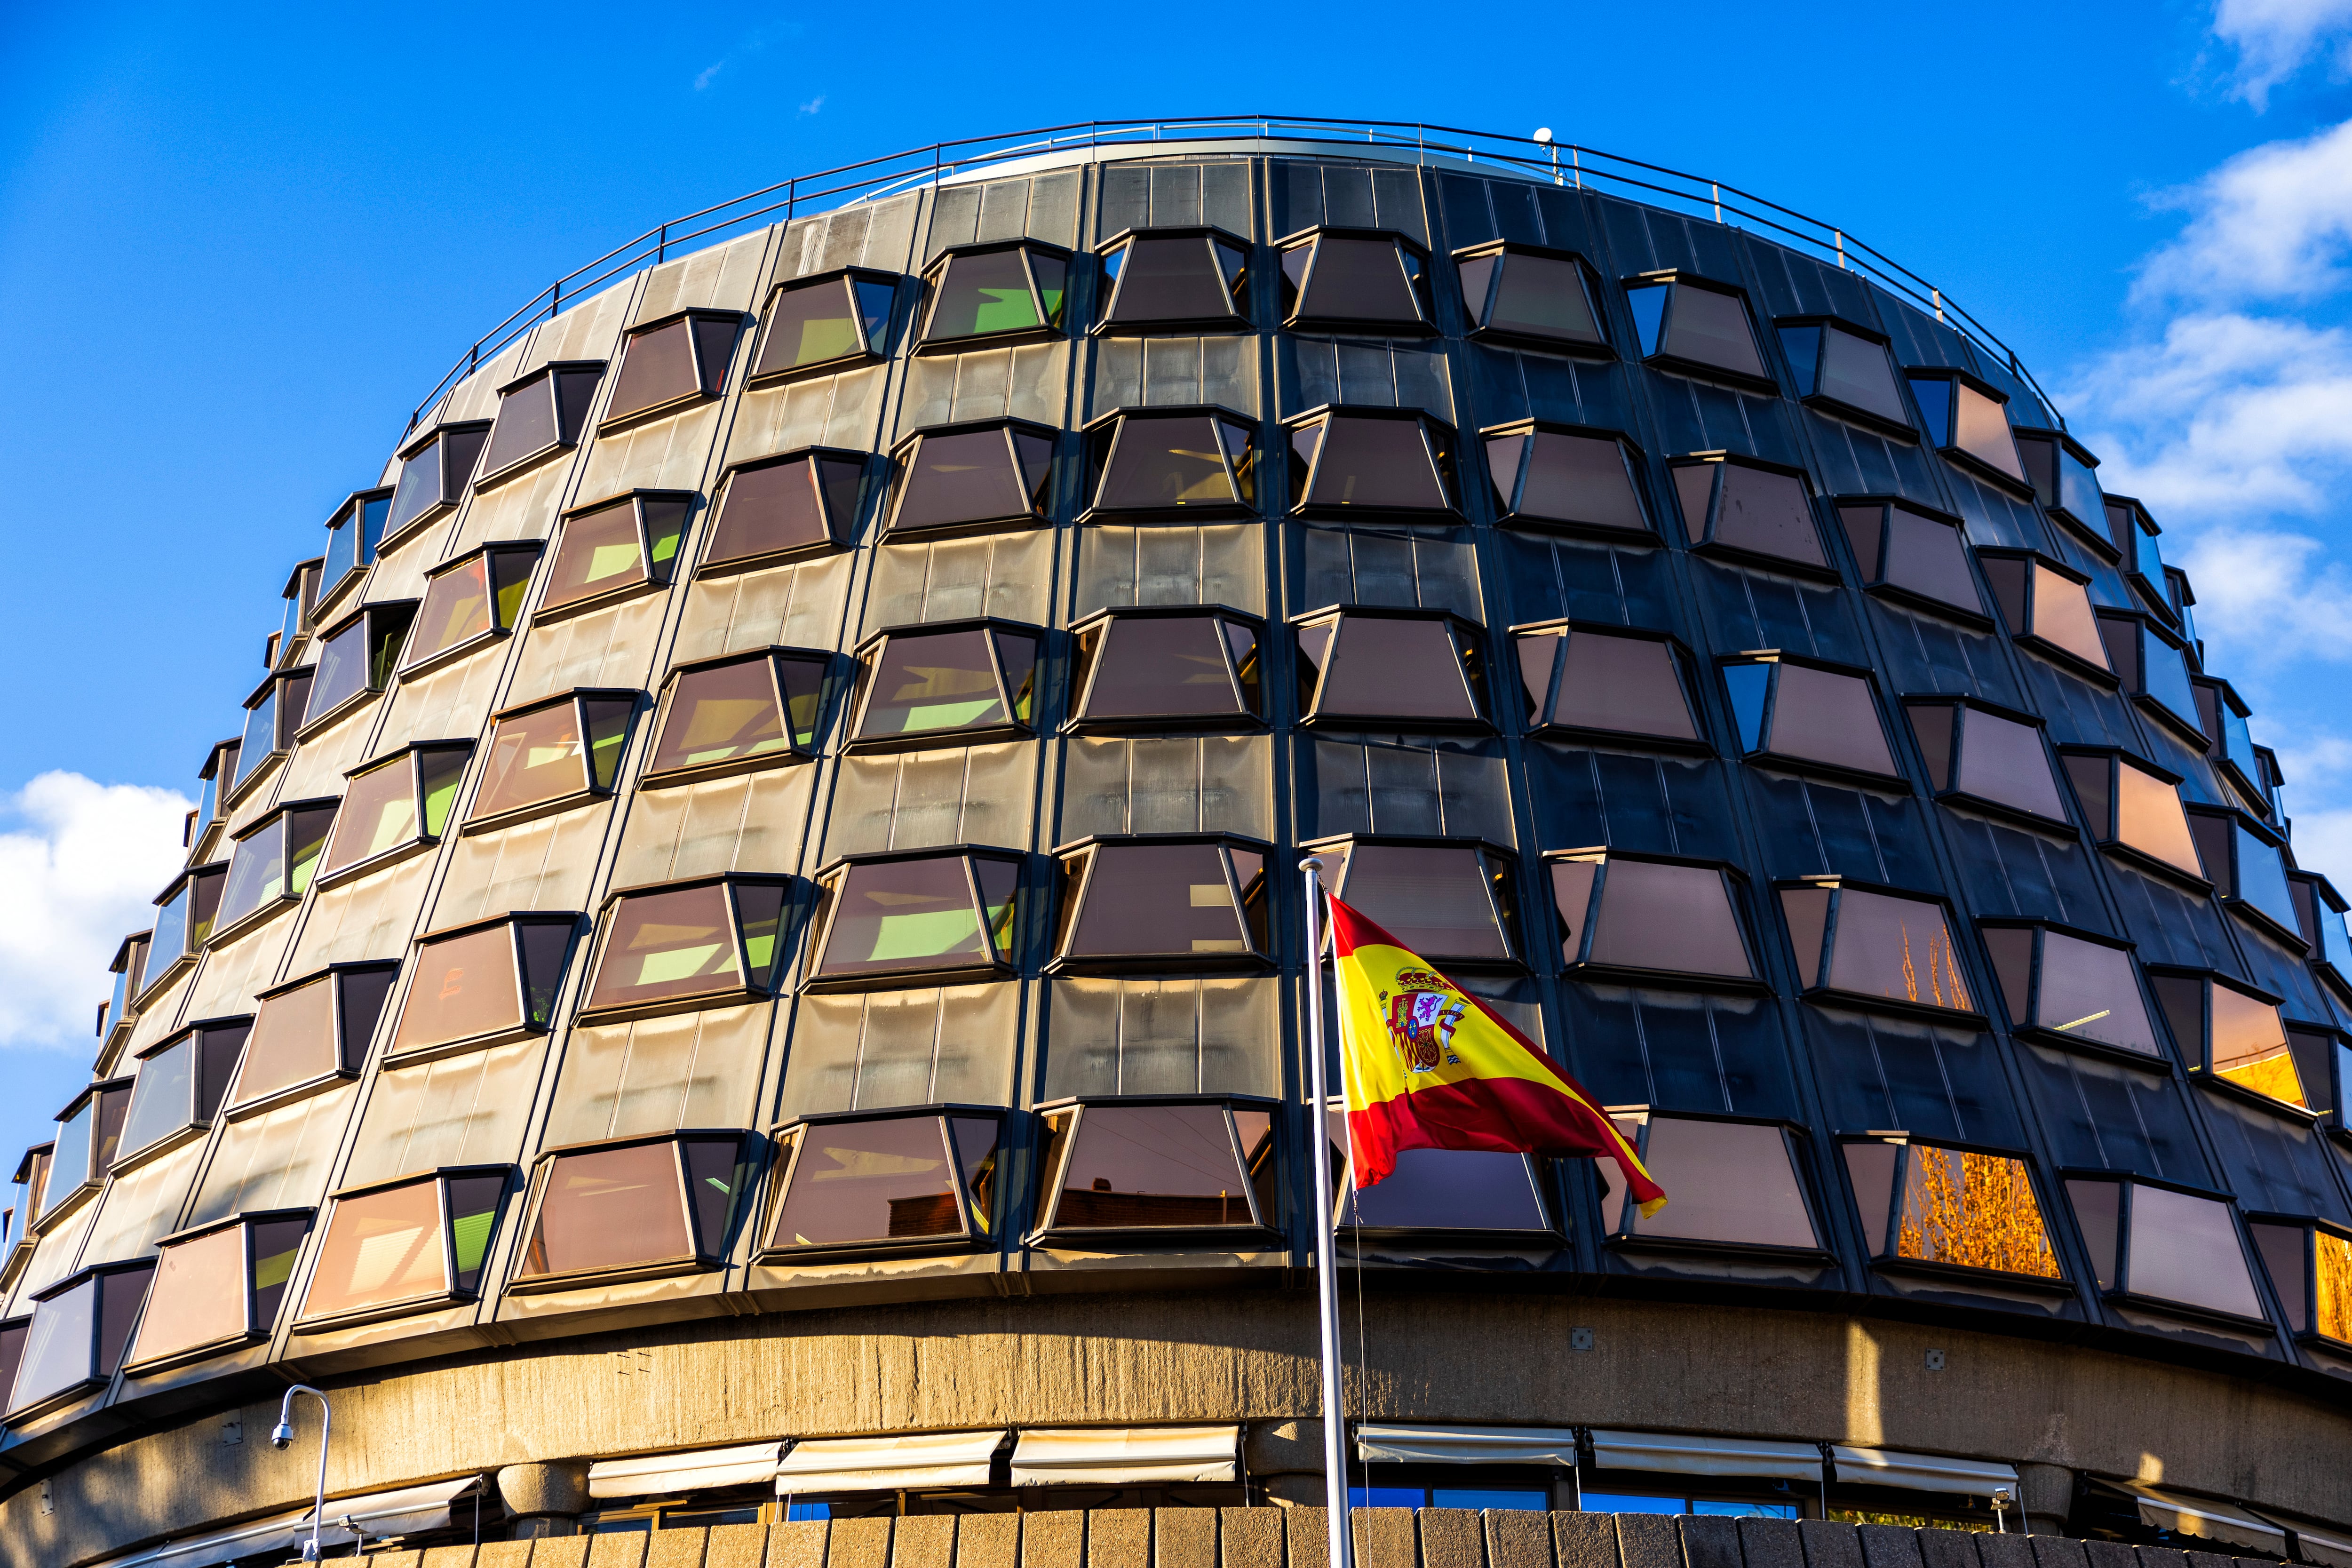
(2204,1517)
(1469,1444)
(2321,1546)
(1675,1453)
(1922,1472)
(406,1511)
(917,1460)
(1126,1455)
(654,1474)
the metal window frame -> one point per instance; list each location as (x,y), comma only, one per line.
(1469,647)
(869,351)
(903,458)
(1498,866)
(1618,1235)
(2121,1292)
(1950,791)
(1873,572)
(354,513)
(1236,292)
(1813,397)
(1581,966)
(703,390)
(411,756)
(1889,1260)
(197,1122)
(1101,437)
(1091,634)
(1813,977)
(381,619)
(349,1054)
(1563,629)
(98,1277)
(2030,1028)
(1051,323)
(749,987)
(1293,295)
(2104,828)
(776,655)
(256,1330)
(868,656)
(1046,1229)
(2019,485)
(1666,359)
(449,487)
(589,792)
(1476,313)
(411,667)
(523,1028)
(1895,781)
(1444,455)
(451,1293)
(653,575)
(1700,533)
(1506,505)
(551,372)
(840,531)
(1075,864)
(1004,961)
(284,896)
(705,1254)
(789,1139)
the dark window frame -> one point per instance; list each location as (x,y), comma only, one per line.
(2228,880)
(456,1292)
(1838,408)
(1476,313)
(413,667)
(1618,1233)
(2018,484)
(1874,569)
(2305,1304)
(1293,292)
(217,774)
(1442,451)
(2044,452)
(528,1024)
(1042,506)
(752,985)
(208,1082)
(135,1273)
(1584,967)
(227,927)
(589,790)
(281,688)
(1702,533)
(1543,719)
(424,838)
(1236,290)
(1885,1258)
(258,1326)
(1955,750)
(2028,1027)
(789,1139)
(1074,867)
(1672,278)
(1470,649)
(840,533)
(869,351)
(2105,826)
(1089,634)
(384,623)
(350,1050)
(870,653)
(455,448)
(707,1254)
(776,655)
(1052,323)
(1004,960)
(2197,1055)
(93,1098)
(2142,629)
(1046,1231)
(301,597)
(1814,970)
(1100,437)
(366,511)
(568,432)
(1500,867)
(1895,781)
(2135,552)
(203,886)
(655,575)
(127,967)
(2121,1292)
(2318,907)
(1530,431)
(708,387)
(2218,705)
(1996,562)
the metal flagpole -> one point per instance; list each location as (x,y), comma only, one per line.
(1340,1548)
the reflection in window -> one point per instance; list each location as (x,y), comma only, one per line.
(1355,278)
(312,1031)
(1172,462)
(1526,293)
(1166,1168)
(540,416)
(218,1287)
(356,658)
(634,1211)
(671,363)
(129,970)
(180,1085)
(1987,758)
(958,479)
(1736,1183)
(1845,370)
(352,535)
(2231,1034)
(183,920)
(929,914)
(398,803)
(89,1130)
(1687,324)
(2231,744)
(996,291)
(825,320)
(1442,901)
(975,676)
(2132,807)
(552,754)
(480,984)
(2164,1246)
(1201,900)
(301,597)
(407,1246)
(1966,420)
(2152,667)
(467,601)
(1161,277)
(1661,917)
(1808,715)
(274,859)
(1390,669)
(1907,554)
(731,715)
(1879,945)
(1374,461)
(1186,1033)
(613,547)
(79,1328)
(1438,1190)
(1162,667)
(219,770)
(433,474)
(1609,682)
(272,714)
(696,945)
(2070,985)
(804,503)
(901,1181)
(2247,868)
(2048,607)
(1961,1208)
(1547,476)
(2061,473)
(1741,507)
(2311,1268)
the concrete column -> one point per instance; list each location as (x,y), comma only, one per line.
(1286,1458)
(545,1499)
(2045,1495)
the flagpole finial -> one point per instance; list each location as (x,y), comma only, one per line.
(1312,863)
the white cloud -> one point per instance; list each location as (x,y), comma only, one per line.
(708,72)
(2272,223)
(814,104)
(2275,38)
(80,860)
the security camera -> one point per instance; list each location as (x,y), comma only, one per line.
(282,1435)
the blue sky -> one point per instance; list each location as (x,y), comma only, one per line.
(236,249)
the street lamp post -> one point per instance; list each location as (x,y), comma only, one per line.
(282,1435)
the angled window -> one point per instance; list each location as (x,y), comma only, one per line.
(673,363)
(272,714)
(966,678)
(1584,679)
(1649,915)
(482,985)
(2164,1246)
(996,291)
(2132,533)
(217,1286)
(2060,469)
(468,602)
(1392,667)
(1160,1169)
(2073,984)
(183,922)
(2132,809)
(2228,742)
(1843,368)
(128,969)
(828,321)
(1166,900)
(2319,912)
(1565,477)
(633,1211)
(352,535)
(1913,555)
(780,509)
(886,918)
(1160,278)
(2245,862)
(551,756)
(33,1176)
(394,804)
(2048,607)
(1949,1207)
(968,478)
(181,1084)
(2310,1266)
(2153,668)
(1699,327)
(402,1246)
(2234,1033)
(1987,757)
(735,714)
(1876,946)
(1335,279)
(89,1130)
(1807,715)
(79,1328)
(1482,1199)
(355,661)
(217,774)
(1967,421)
(273,862)
(433,469)
(1736,1183)
(1526,293)
(1192,462)
(611,549)
(685,945)
(310,1033)
(1443,900)
(538,417)
(916,1183)
(301,597)
(1371,461)
(1750,509)
(1134,665)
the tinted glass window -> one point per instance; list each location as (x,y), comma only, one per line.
(609,1208)
(2149,817)
(1733,1181)
(666,945)
(344,668)
(600,551)
(293,1041)
(2185,1248)
(1569,478)
(2062,614)
(1824,717)
(1446,1189)
(162,1099)
(1762,512)
(465,987)
(1437,901)
(1369,463)
(726,713)
(379,814)
(1981,430)
(1167,463)
(1623,685)
(526,423)
(1973,1211)
(1897,948)
(1662,917)
(966,478)
(873,1181)
(1171,666)
(2262,879)
(1169,279)
(199,1297)
(456,606)
(658,367)
(810,325)
(1539,297)
(1358,280)
(256,871)
(912,915)
(1157,899)
(982,294)
(1153,1166)
(1393,669)
(56,1354)
(2001,759)
(934,681)
(534,757)
(1854,371)
(1708,328)
(774,508)
(1929,558)
(380,1249)
(2249,1046)
(2089,991)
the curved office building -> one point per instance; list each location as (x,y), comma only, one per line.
(742,959)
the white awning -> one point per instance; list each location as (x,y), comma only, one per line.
(916,1460)
(654,1475)
(407,1512)
(1922,1472)
(1126,1455)
(1469,1444)
(2200,1517)
(1675,1453)
(2322,1546)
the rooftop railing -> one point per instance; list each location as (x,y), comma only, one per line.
(1565,163)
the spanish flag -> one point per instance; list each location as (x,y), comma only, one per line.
(1426,1065)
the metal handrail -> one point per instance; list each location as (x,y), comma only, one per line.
(891,173)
